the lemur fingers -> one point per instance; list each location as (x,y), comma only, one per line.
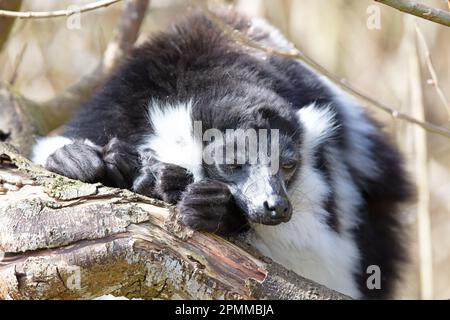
(115,164)
(208,205)
(79,161)
(163,180)
(171,181)
(121,163)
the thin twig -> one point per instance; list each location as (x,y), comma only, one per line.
(16,65)
(298,55)
(419,10)
(57,13)
(61,107)
(434,79)
(421,170)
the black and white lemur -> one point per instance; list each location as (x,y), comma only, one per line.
(328,213)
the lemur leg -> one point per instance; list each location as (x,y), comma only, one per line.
(162,180)
(208,205)
(115,164)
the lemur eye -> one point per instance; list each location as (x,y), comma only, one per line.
(235,167)
(289,165)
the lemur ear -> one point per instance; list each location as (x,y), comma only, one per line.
(267,113)
(275,118)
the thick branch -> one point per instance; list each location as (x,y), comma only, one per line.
(419,10)
(66,239)
(58,13)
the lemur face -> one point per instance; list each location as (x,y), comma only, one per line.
(258,184)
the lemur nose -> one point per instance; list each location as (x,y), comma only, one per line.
(279,208)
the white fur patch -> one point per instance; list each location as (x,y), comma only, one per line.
(273,38)
(319,125)
(173,138)
(360,155)
(306,244)
(46,146)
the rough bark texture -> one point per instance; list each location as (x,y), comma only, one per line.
(64,239)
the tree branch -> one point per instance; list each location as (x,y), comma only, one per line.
(61,108)
(58,13)
(419,10)
(64,239)
(24,118)
(298,55)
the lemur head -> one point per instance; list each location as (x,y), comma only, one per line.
(257,158)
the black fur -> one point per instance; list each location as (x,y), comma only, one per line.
(162,180)
(114,164)
(4,136)
(78,161)
(121,163)
(323,165)
(381,236)
(232,88)
(209,205)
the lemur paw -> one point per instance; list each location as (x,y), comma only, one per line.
(163,180)
(171,181)
(121,163)
(209,206)
(78,160)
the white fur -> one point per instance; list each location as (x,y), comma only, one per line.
(306,244)
(318,123)
(268,35)
(173,138)
(360,155)
(319,126)
(46,146)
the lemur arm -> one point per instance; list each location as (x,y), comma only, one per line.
(161,180)
(208,205)
(114,164)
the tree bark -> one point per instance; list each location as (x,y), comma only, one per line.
(64,239)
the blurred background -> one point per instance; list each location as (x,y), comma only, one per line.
(377,49)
